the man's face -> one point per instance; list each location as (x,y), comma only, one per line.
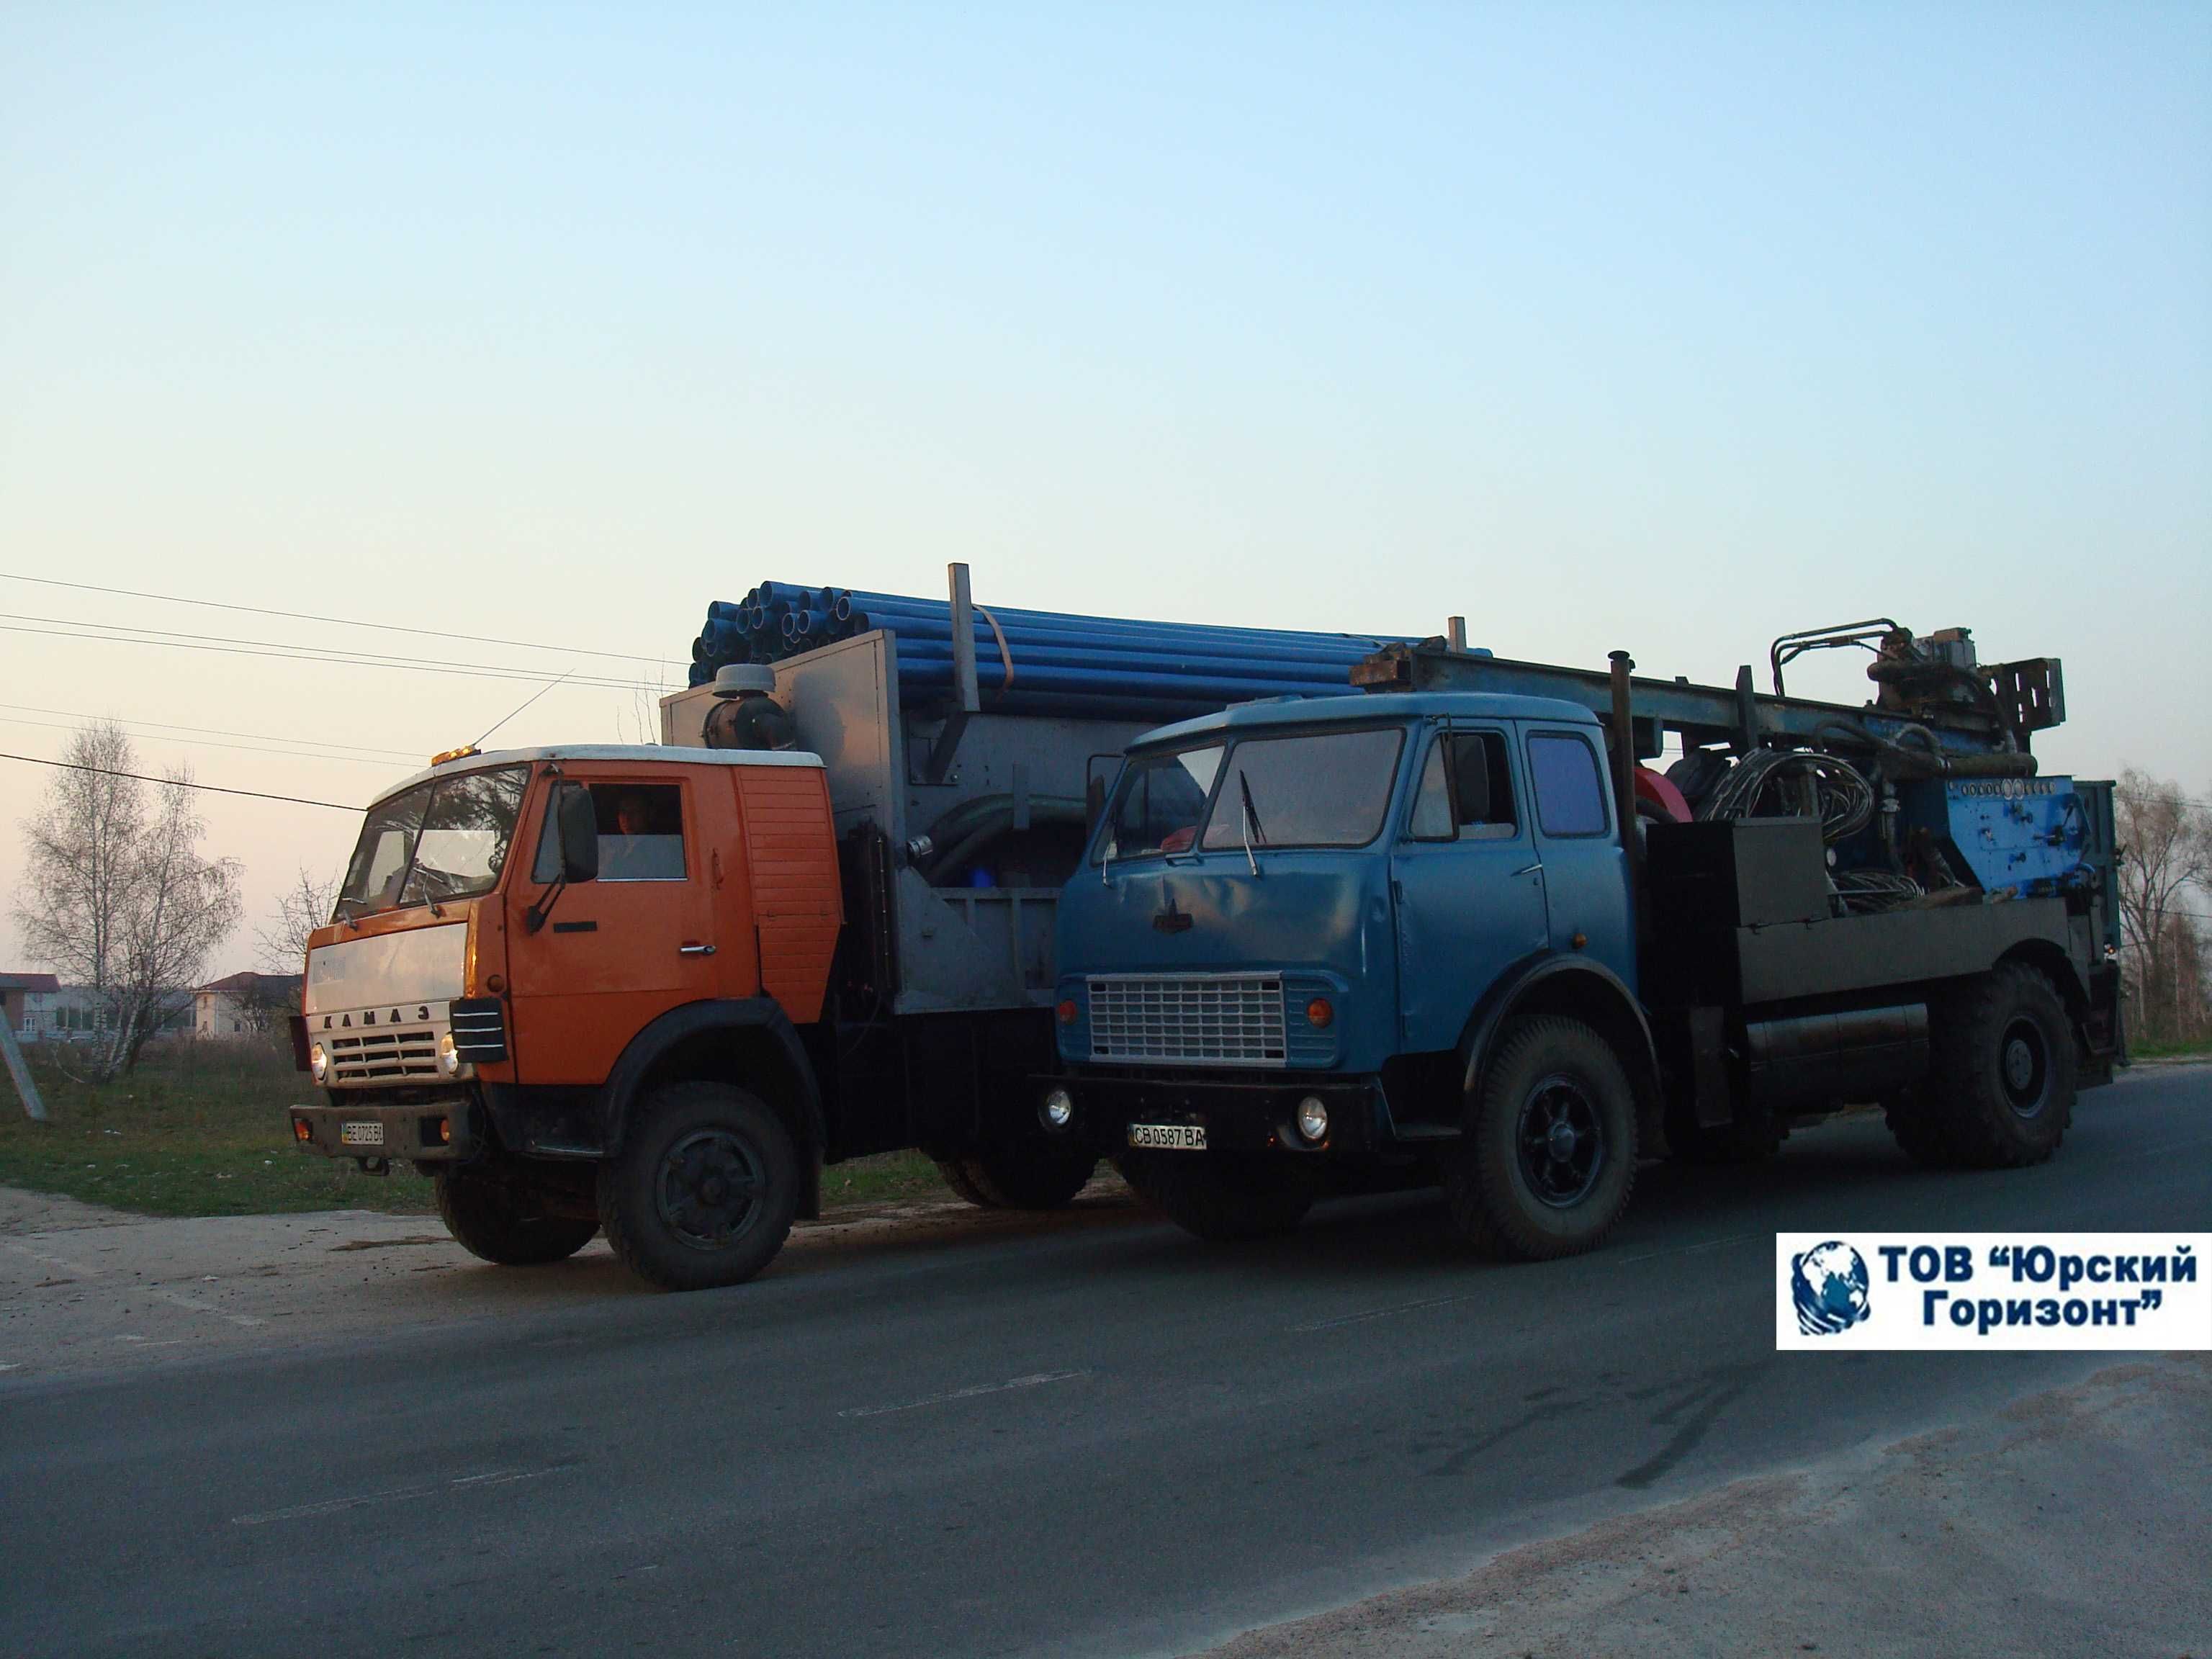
(630,816)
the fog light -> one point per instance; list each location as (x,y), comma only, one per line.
(300,1132)
(1058,1111)
(1319,1013)
(1313,1120)
(449,1059)
(318,1063)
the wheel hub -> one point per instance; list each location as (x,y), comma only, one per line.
(1561,1142)
(709,1189)
(2024,1067)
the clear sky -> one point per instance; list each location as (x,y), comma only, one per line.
(1670,327)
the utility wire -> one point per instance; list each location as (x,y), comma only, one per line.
(203,742)
(181,783)
(211,731)
(341,621)
(419,666)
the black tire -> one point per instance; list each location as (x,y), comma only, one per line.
(1030,1173)
(1911,1117)
(2001,1067)
(1548,1158)
(500,1223)
(1220,1198)
(956,1177)
(703,1190)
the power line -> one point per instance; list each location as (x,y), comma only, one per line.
(181,783)
(202,743)
(210,731)
(340,622)
(353,660)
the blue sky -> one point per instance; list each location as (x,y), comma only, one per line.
(1669,327)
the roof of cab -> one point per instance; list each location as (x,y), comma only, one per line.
(650,754)
(1372,707)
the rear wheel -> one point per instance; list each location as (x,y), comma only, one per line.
(505,1224)
(1549,1154)
(704,1189)
(1223,1198)
(1029,1173)
(2001,1071)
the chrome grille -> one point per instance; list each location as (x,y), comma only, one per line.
(381,1056)
(1209,1019)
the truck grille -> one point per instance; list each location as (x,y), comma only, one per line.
(382,1056)
(1215,1019)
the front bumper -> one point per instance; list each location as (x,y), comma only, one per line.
(1239,1116)
(423,1131)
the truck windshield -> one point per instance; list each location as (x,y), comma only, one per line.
(1304,789)
(1317,789)
(1160,802)
(443,840)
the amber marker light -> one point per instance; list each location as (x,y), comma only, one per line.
(1319,1014)
(300,1132)
(1067,1013)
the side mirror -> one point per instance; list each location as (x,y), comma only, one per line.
(579,825)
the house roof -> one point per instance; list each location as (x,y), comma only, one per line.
(29,983)
(248,983)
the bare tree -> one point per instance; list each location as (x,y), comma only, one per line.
(118,900)
(2166,840)
(300,908)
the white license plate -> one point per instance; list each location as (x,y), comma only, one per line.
(362,1134)
(1174,1137)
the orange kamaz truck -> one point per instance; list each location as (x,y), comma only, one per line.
(654,988)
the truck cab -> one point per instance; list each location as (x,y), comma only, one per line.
(569,983)
(1295,920)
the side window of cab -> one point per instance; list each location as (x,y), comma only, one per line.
(641,829)
(1465,792)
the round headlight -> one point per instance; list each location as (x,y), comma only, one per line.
(318,1063)
(449,1059)
(1057,1109)
(1313,1119)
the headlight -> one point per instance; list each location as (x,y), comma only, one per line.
(449,1059)
(1057,1109)
(318,1063)
(1313,1119)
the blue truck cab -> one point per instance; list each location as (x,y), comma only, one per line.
(1403,938)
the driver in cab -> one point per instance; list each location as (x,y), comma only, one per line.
(646,843)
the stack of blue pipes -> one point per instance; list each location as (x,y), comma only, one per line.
(1040,661)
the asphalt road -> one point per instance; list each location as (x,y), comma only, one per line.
(1092,1436)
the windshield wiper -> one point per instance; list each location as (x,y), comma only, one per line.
(1251,821)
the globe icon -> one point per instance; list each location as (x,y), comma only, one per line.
(1829,1284)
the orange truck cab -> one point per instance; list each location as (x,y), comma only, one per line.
(653,988)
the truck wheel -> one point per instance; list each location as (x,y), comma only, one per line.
(958,1176)
(1910,1115)
(703,1190)
(500,1224)
(1549,1154)
(2001,1071)
(1220,1198)
(1029,1173)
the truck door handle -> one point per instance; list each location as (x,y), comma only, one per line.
(1529,869)
(695,950)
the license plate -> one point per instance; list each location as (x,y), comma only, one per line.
(1172,1137)
(362,1134)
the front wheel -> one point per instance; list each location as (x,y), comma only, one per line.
(503,1224)
(1027,1172)
(1223,1198)
(1549,1152)
(703,1190)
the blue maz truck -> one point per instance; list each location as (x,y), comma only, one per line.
(1454,932)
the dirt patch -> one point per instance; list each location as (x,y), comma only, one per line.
(2073,1522)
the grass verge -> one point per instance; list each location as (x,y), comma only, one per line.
(201,1129)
